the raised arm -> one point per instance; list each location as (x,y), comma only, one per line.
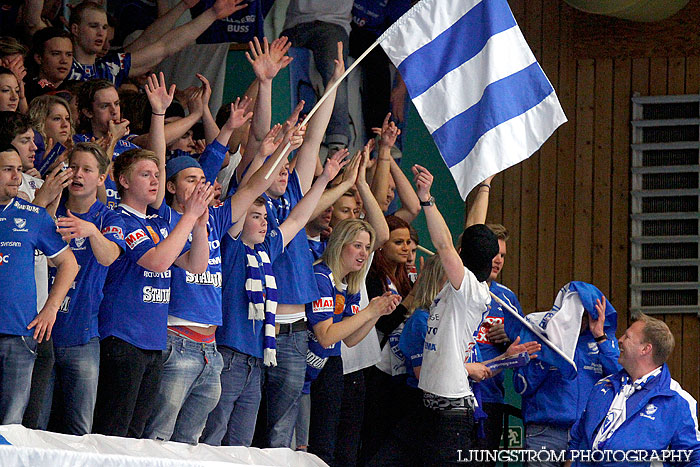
(302,211)
(196,260)
(382,170)
(177,39)
(308,152)
(331,195)
(480,207)
(410,204)
(160,26)
(211,129)
(373,213)
(160,98)
(439,232)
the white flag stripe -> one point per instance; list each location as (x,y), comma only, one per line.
(423,23)
(504,54)
(513,141)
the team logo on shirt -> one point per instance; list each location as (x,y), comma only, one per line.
(153,234)
(79,242)
(117,231)
(21,224)
(4,259)
(136,238)
(339,304)
(163,232)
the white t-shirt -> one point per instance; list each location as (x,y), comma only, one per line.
(449,344)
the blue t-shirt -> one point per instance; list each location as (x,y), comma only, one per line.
(492,389)
(122,145)
(412,341)
(197,297)
(240,27)
(376,16)
(316,247)
(296,261)
(135,303)
(237,331)
(24,227)
(113,67)
(334,303)
(76,321)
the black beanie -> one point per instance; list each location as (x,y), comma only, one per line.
(479,247)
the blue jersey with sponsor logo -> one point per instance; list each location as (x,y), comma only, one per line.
(122,145)
(76,320)
(197,297)
(239,332)
(113,67)
(24,227)
(412,341)
(296,261)
(492,389)
(135,303)
(334,303)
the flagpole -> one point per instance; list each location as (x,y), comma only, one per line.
(532,328)
(322,100)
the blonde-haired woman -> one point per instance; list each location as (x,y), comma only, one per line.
(334,317)
(51,119)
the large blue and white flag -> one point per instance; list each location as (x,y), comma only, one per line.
(476,84)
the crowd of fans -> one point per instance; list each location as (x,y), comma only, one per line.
(164,286)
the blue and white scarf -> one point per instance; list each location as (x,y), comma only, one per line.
(280,206)
(261,288)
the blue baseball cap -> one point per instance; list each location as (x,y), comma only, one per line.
(178,164)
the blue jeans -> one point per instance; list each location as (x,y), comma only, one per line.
(546,437)
(283,385)
(322,39)
(232,422)
(17,355)
(190,387)
(301,433)
(76,372)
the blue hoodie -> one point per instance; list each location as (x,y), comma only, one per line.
(660,416)
(550,399)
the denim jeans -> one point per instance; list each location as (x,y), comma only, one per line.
(36,415)
(17,355)
(546,437)
(190,387)
(232,422)
(301,430)
(76,373)
(444,433)
(322,39)
(283,385)
(127,388)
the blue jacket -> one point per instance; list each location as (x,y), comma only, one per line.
(550,399)
(660,416)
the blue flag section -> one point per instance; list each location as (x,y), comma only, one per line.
(241,26)
(476,84)
(562,324)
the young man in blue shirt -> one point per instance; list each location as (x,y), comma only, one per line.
(24,227)
(133,313)
(96,237)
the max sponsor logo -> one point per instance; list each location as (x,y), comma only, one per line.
(112,229)
(136,238)
(323,305)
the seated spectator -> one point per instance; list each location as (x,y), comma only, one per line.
(640,407)
(10,91)
(52,122)
(12,54)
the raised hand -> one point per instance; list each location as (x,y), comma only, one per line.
(16,66)
(297,138)
(350,174)
(206,89)
(423,181)
(239,113)
(388,132)
(334,163)
(71,227)
(262,61)
(597,327)
(278,51)
(195,104)
(53,186)
(158,94)
(339,64)
(364,162)
(225,8)
(293,118)
(271,141)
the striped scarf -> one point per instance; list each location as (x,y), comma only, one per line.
(261,288)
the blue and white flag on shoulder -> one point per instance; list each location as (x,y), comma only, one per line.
(475,83)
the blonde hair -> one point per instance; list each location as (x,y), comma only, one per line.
(343,234)
(656,333)
(499,231)
(124,164)
(429,283)
(94,149)
(39,111)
